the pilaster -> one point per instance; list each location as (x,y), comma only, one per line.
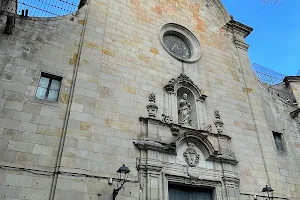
(239,33)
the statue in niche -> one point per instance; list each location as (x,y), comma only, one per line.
(184,111)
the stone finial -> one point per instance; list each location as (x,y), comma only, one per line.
(217,115)
(151,107)
(166,119)
(218,122)
(152,97)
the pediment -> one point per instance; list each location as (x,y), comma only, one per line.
(184,80)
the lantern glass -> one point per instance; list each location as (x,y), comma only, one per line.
(123,173)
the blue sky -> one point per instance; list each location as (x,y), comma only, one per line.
(47,8)
(275,41)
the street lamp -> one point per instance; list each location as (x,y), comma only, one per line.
(268,190)
(122,179)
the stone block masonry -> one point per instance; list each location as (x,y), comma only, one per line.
(113,48)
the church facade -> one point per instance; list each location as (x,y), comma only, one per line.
(163,86)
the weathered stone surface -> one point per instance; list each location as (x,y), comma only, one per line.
(122,61)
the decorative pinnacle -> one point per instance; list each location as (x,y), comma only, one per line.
(152,98)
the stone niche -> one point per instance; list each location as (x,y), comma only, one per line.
(176,89)
(191,155)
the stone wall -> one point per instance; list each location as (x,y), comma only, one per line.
(284,172)
(30,130)
(121,62)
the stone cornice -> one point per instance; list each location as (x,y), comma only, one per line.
(179,128)
(241,44)
(295,113)
(239,28)
(289,79)
(156,146)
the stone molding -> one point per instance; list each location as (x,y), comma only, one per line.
(187,36)
(241,44)
(195,180)
(183,78)
(156,146)
(295,113)
(202,137)
(238,28)
(177,128)
(289,79)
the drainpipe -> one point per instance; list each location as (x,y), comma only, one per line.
(67,117)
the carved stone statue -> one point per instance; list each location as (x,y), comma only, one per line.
(184,111)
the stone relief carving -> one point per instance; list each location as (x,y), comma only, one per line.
(184,111)
(151,107)
(217,114)
(175,129)
(193,177)
(191,156)
(182,78)
(218,122)
(206,127)
(166,119)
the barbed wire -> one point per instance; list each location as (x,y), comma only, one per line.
(45,8)
(267,75)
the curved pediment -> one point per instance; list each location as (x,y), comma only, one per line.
(199,140)
(184,80)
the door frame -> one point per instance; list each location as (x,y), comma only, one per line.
(215,186)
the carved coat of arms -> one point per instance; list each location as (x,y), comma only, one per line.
(191,156)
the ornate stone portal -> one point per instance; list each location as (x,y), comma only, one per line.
(173,151)
(185,102)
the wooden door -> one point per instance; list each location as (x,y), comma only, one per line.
(186,193)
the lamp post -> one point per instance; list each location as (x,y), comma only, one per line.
(268,190)
(122,179)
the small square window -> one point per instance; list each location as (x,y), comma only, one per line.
(48,88)
(278,142)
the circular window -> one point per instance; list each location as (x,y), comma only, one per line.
(180,42)
(177,46)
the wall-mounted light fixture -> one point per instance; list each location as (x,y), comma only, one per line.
(122,179)
(268,190)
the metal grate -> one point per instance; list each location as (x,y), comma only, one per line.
(274,81)
(267,76)
(44,8)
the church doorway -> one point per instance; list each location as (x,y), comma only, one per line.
(177,192)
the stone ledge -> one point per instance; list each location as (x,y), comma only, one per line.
(239,28)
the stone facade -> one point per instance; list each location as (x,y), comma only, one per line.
(110,57)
